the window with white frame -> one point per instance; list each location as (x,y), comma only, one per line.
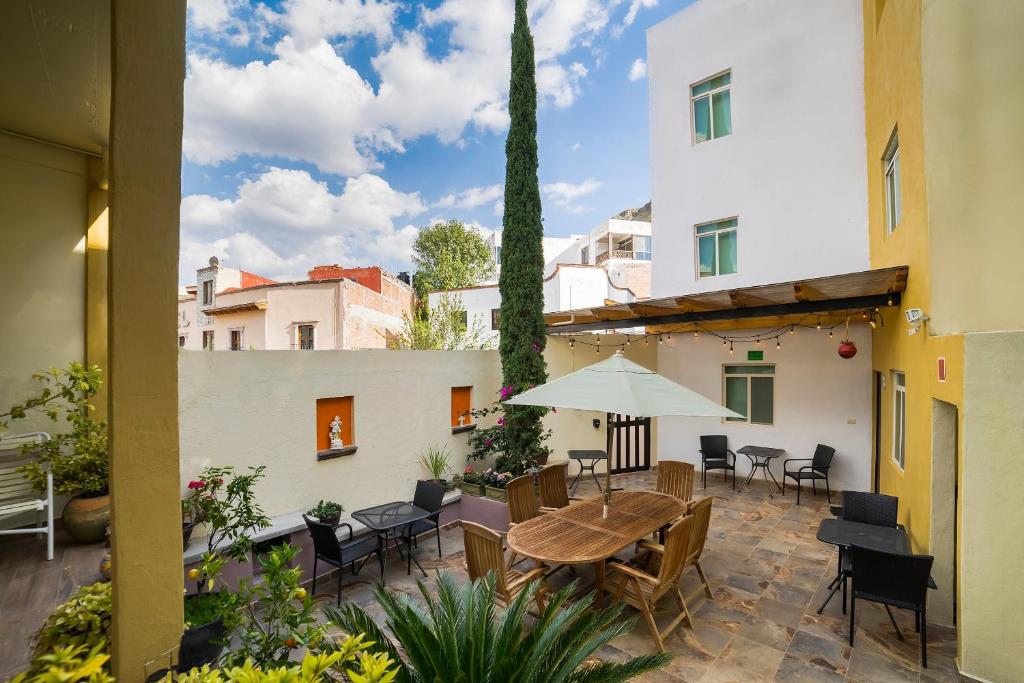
(711,108)
(899,418)
(891,167)
(236,339)
(305,337)
(716,248)
(207,292)
(750,391)
(208,340)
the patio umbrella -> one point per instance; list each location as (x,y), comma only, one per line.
(618,385)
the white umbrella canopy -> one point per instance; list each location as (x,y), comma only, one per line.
(618,385)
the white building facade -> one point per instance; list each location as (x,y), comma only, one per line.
(758,172)
(611,263)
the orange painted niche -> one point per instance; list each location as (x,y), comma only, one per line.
(326,409)
(462,402)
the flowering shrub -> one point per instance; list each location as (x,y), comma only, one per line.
(492,442)
(226,503)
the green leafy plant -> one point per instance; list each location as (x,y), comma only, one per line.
(71,664)
(78,457)
(326,509)
(491,443)
(445,327)
(83,620)
(274,616)
(435,461)
(462,637)
(226,503)
(449,255)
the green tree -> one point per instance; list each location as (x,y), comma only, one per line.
(446,327)
(449,255)
(522,255)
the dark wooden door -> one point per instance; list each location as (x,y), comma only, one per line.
(629,443)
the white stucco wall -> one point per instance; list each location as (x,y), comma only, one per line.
(478,302)
(819,398)
(246,409)
(792,171)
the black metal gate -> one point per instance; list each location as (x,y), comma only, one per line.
(629,443)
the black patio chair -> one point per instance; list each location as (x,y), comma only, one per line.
(429,496)
(870,508)
(818,469)
(328,548)
(714,455)
(893,580)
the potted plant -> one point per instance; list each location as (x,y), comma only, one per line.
(472,482)
(494,484)
(226,502)
(77,458)
(491,443)
(435,461)
(327,511)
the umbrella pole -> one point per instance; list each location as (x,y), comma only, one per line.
(607,476)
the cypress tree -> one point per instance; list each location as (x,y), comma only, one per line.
(522,256)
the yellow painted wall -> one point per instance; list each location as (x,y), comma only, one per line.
(42,265)
(892,99)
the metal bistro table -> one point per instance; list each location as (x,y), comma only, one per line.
(845,535)
(594,457)
(760,459)
(392,518)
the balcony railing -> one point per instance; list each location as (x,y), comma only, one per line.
(623,254)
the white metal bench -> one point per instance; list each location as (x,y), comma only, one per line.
(17,494)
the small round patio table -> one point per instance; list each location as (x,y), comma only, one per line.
(760,459)
(579,534)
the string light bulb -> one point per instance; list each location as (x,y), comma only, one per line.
(730,348)
(627,340)
(645,340)
(778,344)
(889,300)
(830,333)
(725,343)
(695,334)
(758,341)
(792,329)
(660,340)
(572,343)
(873,324)
(670,336)
(818,326)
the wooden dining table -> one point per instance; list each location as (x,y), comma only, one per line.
(579,534)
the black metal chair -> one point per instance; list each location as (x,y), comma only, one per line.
(429,496)
(870,508)
(818,469)
(714,455)
(893,579)
(327,548)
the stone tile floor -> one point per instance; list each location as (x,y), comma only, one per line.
(769,574)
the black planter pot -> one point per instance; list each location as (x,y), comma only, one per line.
(333,521)
(201,645)
(186,533)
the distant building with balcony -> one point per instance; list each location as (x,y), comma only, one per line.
(336,308)
(611,263)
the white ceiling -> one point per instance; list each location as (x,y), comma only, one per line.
(55,70)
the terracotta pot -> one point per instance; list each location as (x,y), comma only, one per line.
(86,519)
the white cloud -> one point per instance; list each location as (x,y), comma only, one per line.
(472,197)
(307,103)
(499,208)
(564,194)
(634,8)
(284,222)
(575,147)
(222,20)
(638,70)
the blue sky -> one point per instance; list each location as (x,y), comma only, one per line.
(329,131)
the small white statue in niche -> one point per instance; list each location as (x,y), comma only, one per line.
(335,434)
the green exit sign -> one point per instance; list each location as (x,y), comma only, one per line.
(755,355)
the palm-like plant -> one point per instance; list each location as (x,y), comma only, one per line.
(462,637)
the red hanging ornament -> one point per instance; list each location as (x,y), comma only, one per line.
(847,349)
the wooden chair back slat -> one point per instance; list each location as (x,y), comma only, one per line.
(677,540)
(701,513)
(554,493)
(484,554)
(675,478)
(522,501)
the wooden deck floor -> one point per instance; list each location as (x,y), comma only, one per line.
(30,587)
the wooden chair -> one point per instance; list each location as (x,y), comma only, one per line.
(701,513)
(554,493)
(485,553)
(522,504)
(675,478)
(643,590)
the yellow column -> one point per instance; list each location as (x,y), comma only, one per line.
(148,57)
(97,244)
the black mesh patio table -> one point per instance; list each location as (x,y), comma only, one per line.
(760,459)
(845,535)
(392,518)
(594,456)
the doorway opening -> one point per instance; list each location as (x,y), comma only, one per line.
(943,540)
